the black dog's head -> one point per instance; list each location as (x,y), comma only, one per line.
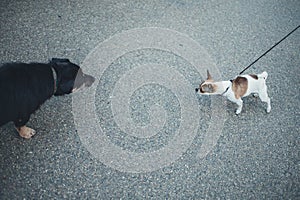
(70,77)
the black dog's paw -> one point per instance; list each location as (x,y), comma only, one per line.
(26,132)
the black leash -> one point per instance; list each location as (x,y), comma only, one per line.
(270,49)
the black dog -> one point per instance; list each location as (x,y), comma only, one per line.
(24,87)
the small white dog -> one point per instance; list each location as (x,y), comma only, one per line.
(237,88)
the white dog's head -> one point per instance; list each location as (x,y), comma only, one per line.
(208,86)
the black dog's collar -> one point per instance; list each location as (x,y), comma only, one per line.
(54,79)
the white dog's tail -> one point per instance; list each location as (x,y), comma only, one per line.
(263,75)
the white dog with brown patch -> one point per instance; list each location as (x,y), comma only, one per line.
(237,88)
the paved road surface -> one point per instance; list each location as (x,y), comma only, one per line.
(141,132)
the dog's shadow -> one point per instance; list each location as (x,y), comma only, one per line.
(251,105)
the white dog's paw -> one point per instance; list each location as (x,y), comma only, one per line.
(269,109)
(238,111)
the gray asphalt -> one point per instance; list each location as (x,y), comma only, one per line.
(252,156)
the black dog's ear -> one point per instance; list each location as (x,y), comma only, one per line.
(59,60)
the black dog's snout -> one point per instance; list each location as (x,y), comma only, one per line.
(90,80)
(197,89)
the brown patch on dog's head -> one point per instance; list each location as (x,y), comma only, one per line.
(239,86)
(254,76)
(207,86)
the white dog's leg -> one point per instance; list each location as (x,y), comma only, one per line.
(265,98)
(269,105)
(263,95)
(239,102)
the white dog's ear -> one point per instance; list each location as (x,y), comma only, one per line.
(209,76)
